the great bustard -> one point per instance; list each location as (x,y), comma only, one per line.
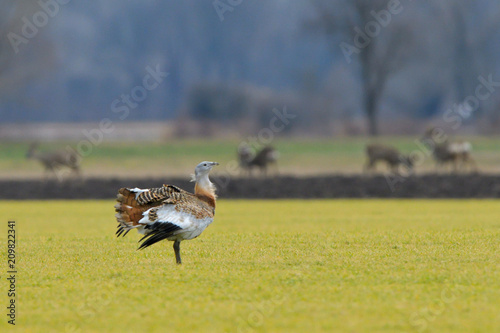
(168,212)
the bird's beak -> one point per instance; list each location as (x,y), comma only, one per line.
(215,163)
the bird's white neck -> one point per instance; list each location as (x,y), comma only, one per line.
(204,188)
(203,182)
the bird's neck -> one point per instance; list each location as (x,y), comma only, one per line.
(205,190)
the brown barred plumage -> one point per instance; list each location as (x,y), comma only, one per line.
(130,210)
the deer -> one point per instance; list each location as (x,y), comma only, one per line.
(245,155)
(54,160)
(265,157)
(457,153)
(390,155)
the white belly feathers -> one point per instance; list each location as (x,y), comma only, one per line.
(191,226)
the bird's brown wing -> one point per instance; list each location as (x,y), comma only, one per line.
(132,203)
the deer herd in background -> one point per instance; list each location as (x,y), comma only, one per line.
(457,154)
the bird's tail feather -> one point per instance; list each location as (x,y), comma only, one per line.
(128,211)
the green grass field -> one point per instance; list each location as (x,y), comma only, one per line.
(263,266)
(177,158)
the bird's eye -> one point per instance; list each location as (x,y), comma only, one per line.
(205,164)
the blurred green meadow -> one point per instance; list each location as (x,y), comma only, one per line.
(263,266)
(178,158)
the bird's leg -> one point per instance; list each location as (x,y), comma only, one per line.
(177,249)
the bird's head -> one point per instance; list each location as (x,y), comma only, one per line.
(204,168)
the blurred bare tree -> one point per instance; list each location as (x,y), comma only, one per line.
(466,42)
(24,61)
(464,56)
(379,57)
(466,31)
(470,37)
